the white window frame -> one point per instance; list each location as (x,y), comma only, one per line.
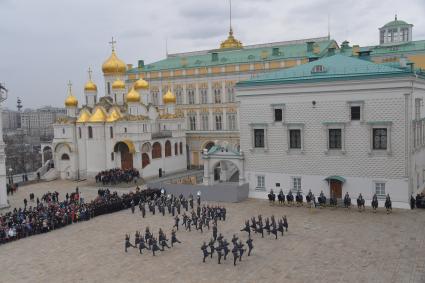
(280,106)
(205,122)
(330,126)
(257,186)
(296,188)
(232,122)
(354,103)
(295,126)
(380,196)
(380,125)
(259,126)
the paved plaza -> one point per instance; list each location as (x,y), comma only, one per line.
(323,245)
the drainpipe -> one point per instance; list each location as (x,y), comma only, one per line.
(408,138)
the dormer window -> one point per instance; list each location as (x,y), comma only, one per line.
(318,69)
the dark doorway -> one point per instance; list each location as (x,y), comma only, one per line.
(336,188)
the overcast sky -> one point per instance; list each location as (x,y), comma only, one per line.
(45,43)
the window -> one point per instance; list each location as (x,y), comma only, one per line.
(191,96)
(65,156)
(156,150)
(231,121)
(335,139)
(355,113)
(204,122)
(204,95)
(278,115)
(217,96)
(296,184)
(259,138)
(181,148)
(179,96)
(167,148)
(90,132)
(111,132)
(109,87)
(295,139)
(79,132)
(261,182)
(417,108)
(63,130)
(112,156)
(218,124)
(230,93)
(176,149)
(192,122)
(380,189)
(155,96)
(380,138)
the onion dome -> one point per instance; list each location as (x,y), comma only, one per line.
(113,65)
(133,96)
(90,86)
(141,84)
(169,97)
(118,84)
(71,101)
(84,116)
(99,115)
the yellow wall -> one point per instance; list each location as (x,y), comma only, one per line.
(274,65)
(165,74)
(419,60)
(259,66)
(230,68)
(177,72)
(190,72)
(244,67)
(154,75)
(216,70)
(290,63)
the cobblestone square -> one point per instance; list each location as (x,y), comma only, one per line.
(322,245)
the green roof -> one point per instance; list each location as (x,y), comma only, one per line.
(337,178)
(408,47)
(396,23)
(235,56)
(334,67)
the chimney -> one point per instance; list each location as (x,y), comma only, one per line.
(310,45)
(141,64)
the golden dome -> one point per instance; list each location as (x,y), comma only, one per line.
(113,65)
(231,42)
(169,97)
(84,116)
(99,115)
(90,86)
(133,96)
(71,101)
(141,84)
(114,115)
(118,84)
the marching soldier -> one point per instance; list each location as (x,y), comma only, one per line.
(212,248)
(132,206)
(176,222)
(235,240)
(215,232)
(136,238)
(235,252)
(154,246)
(241,250)
(219,251)
(204,251)
(250,246)
(142,245)
(143,210)
(285,223)
(174,238)
(225,245)
(127,242)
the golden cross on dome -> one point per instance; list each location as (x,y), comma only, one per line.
(112,43)
(90,72)
(69,87)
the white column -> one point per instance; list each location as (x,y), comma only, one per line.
(3,190)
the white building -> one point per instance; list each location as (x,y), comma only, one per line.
(340,124)
(118,130)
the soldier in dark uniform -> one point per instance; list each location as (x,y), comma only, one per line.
(250,246)
(143,210)
(204,251)
(191,201)
(274,230)
(235,240)
(235,252)
(220,238)
(267,226)
(241,250)
(246,228)
(176,222)
(142,245)
(225,246)
(211,245)
(154,246)
(136,238)
(174,238)
(280,227)
(132,206)
(200,224)
(127,242)
(215,232)
(188,224)
(219,250)
(173,210)
(285,223)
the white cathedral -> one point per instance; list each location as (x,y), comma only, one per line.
(119,130)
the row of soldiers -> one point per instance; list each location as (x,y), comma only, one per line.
(222,248)
(149,242)
(270,225)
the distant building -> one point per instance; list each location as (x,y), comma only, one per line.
(11,120)
(40,121)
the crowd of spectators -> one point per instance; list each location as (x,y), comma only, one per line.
(116,176)
(49,213)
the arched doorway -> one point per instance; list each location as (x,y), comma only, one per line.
(225,171)
(208,145)
(126,155)
(146,149)
(47,154)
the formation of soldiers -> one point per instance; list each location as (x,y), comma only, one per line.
(150,242)
(222,248)
(269,225)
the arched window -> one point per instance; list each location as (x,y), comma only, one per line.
(167,148)
(156,150)
(90,131)
(181,148)
(65,156)
(145,160)
(79,132)
(176,149)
